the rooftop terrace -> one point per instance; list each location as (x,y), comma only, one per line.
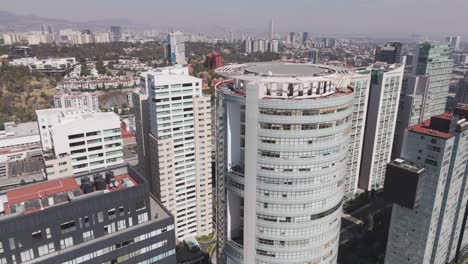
(37,197)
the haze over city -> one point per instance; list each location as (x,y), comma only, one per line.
(377,18)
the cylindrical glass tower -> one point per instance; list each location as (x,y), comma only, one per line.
(283,133)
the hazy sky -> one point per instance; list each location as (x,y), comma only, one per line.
(360,17)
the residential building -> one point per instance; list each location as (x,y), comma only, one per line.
(283,134)
(79,140)
(105,216)
(175,48)
(20,141)
(382,110)
(142,118)
(179,146)
(390,53)
(360,81)
(454,43)
(428,223)
(426,89)
(77,101)
(312,56)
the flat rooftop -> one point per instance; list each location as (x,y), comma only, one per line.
(37,197)
(26,171)
(425,127)
(276,69)
(404,164)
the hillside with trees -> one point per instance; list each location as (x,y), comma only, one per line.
(22,92)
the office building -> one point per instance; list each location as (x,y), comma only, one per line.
(454,43)
(179,146)
(213,60)
(79,140)
(382,110)
(426,89)
(77,101)
(283,134)
(433,60)
(105,216)
(175,48)
(462,91)
(390,53)
(312,56)
(115,34)
(305,37)
(428,222)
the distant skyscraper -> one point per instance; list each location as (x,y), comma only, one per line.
(175,48)
(312,56)
(382,110)
(271,30)
(46,29)
(283,136)
(248,46)
(305,37)
(454,42)
(115,33)
(429,188)
(390,53)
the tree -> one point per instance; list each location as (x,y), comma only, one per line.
(84,69)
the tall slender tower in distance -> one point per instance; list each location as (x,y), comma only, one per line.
(271,30)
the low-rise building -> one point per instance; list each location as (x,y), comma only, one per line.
(104,216)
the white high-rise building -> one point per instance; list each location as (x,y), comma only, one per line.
(179,146)
(75,141)
(429,188)
(283,134)
(175,48)
(360,82)
(77,101)
(382,110)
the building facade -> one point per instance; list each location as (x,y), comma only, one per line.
(431,228)
(382,110)
(178,145)
(360,81)
(283,134)
(77,101)
(107,216)
(426,89)
(75,141)
(175,48)
(390,53)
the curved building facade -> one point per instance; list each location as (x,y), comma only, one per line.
(283,134)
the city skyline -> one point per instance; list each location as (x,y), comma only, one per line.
(358,17)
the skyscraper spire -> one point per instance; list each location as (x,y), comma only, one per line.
(271,29)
